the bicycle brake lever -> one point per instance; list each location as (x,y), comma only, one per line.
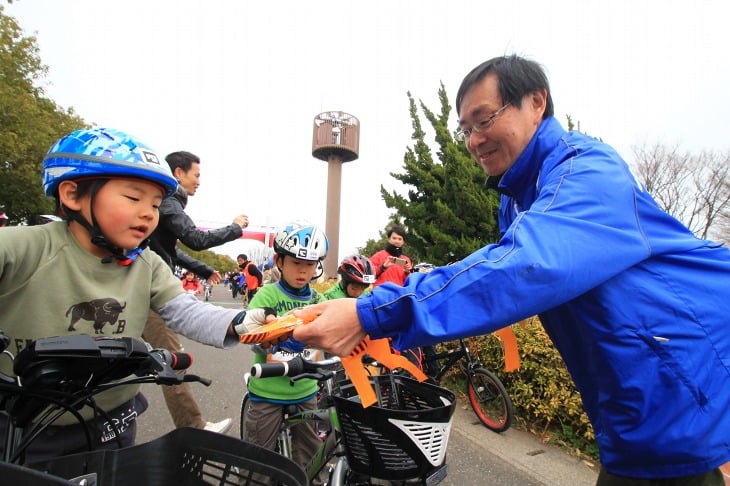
(314,376)
(197,379)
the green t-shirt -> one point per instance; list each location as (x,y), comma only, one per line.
(279,389)
(337,291)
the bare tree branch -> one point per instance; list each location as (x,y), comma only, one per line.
(692,188)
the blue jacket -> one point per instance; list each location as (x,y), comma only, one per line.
(638,307)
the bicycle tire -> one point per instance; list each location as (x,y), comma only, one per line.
(242,427)
(489,399)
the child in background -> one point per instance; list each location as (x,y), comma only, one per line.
(191,284)
(299,248)
(108,187)
(356,275)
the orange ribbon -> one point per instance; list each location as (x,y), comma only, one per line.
(378,349)
(509,345)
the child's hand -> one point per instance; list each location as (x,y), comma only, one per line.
(274,331)
(253,319)
(291,345)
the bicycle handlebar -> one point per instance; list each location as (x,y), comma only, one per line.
(107,358)
(296,368)
(69,367)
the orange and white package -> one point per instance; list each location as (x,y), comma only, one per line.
(277,330)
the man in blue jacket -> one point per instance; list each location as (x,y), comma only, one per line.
(638,307)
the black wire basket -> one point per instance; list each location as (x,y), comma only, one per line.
(404,435)
(184,456)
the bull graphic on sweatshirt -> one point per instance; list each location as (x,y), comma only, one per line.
(99,311)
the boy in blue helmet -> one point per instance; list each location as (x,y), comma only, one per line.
(108,187)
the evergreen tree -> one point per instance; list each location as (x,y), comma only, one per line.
(448,209)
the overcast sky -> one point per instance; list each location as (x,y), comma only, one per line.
(240,82)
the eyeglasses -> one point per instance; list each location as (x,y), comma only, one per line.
(464,133)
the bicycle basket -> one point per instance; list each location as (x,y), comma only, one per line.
(404,435)
(184,456)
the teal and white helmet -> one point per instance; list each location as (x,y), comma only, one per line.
(303,240)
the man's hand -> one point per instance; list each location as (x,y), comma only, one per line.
(241,220)
(252,319)
(215,278)
(336,328)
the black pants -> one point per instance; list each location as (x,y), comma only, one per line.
(710,478)
(69,439)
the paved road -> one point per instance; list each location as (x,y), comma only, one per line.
(476,456)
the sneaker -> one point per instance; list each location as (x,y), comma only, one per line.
(221,427)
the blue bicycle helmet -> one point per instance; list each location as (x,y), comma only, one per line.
(103,152)
(302,240)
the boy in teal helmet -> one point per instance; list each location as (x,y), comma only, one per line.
(299,248)
(108,187)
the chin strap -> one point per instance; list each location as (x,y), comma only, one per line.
(129,258)
(98,238)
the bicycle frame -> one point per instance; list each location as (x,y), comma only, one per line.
(486,393)
(452,356)
(331,447)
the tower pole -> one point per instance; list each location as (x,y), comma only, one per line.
(332,225)
(335,140)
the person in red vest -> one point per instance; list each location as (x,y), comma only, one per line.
(250,272)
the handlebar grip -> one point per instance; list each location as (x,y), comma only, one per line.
(176,361)
(292,367)
(181,361)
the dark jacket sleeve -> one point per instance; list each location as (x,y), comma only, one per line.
(196,266)
(191,236)
(254,271)
(176,225)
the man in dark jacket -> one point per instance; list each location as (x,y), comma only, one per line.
(176,225)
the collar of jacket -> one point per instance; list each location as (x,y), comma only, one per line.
(521,178)
(181,195)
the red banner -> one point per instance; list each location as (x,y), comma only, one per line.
(260,236)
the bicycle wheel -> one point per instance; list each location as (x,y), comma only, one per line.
(489,399)
(244,404)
